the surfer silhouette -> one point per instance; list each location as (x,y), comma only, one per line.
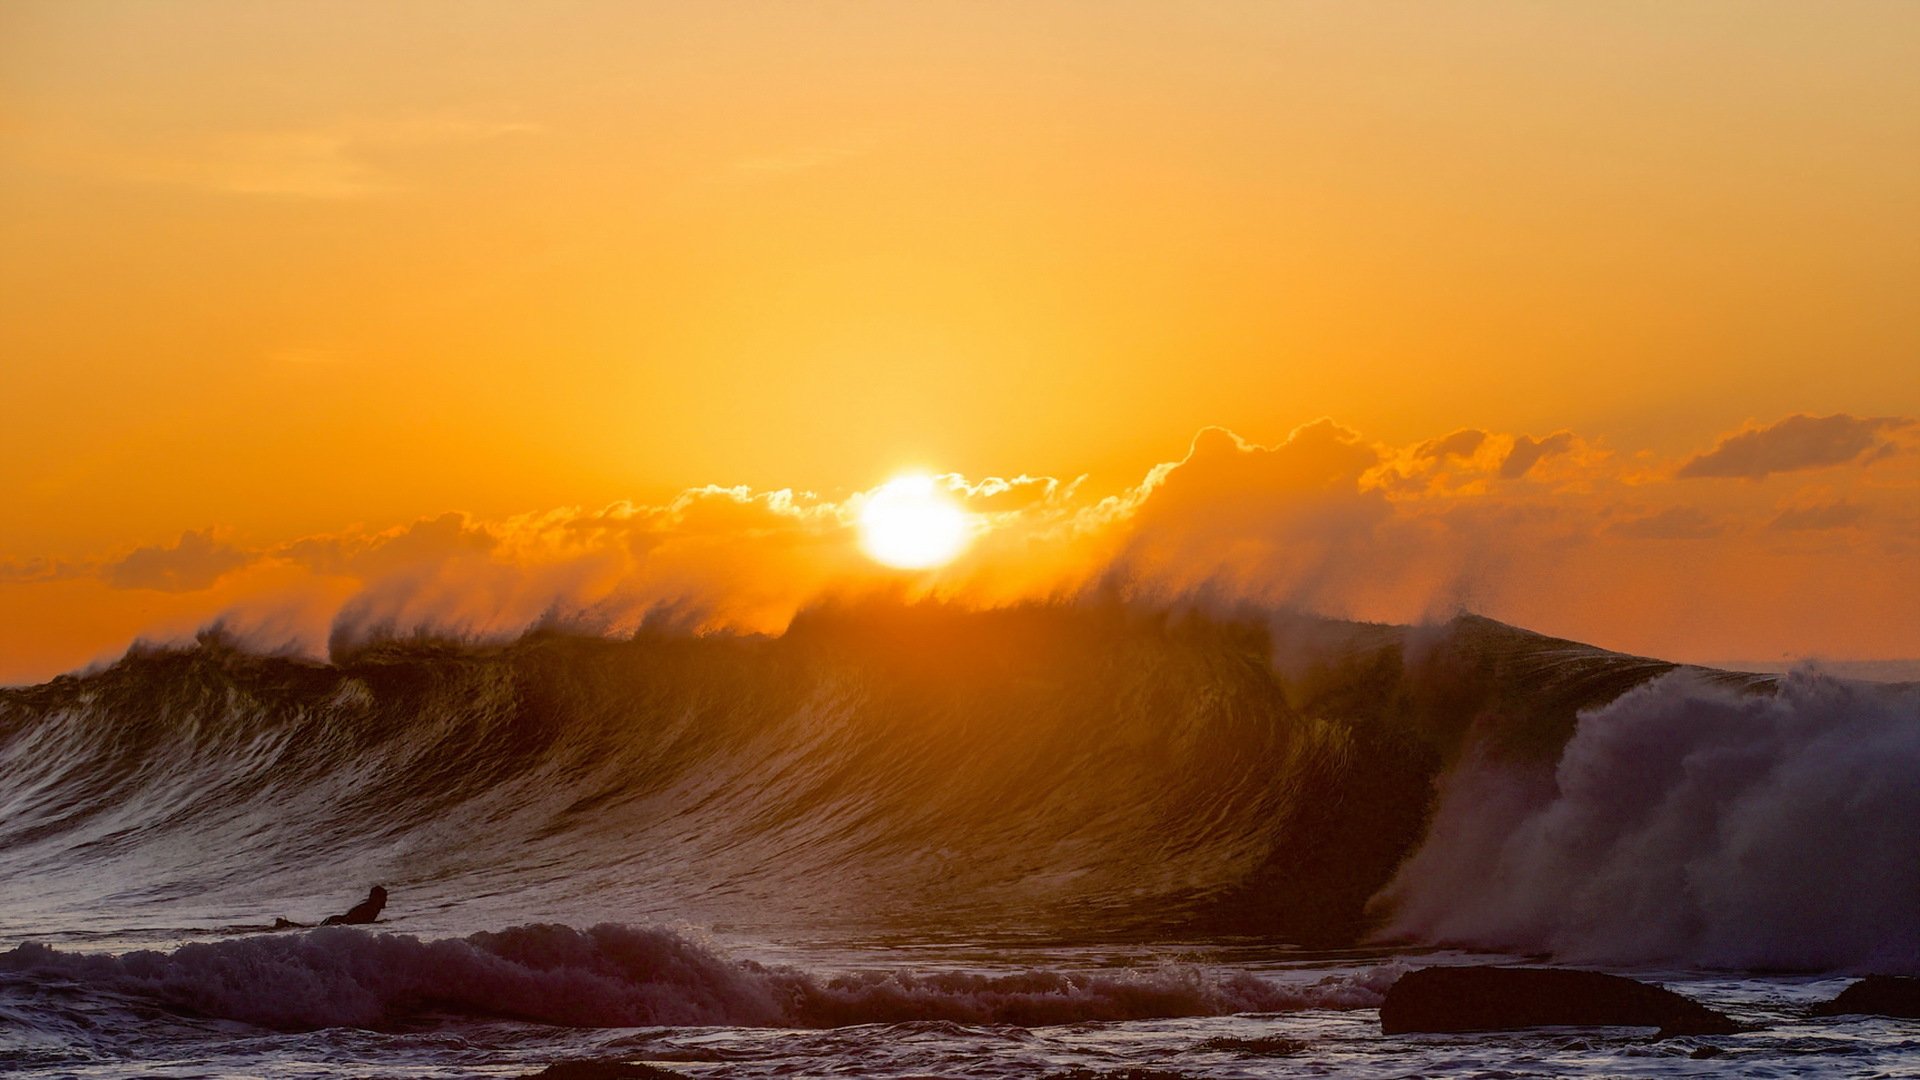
(365,911)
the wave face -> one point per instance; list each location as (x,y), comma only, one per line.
(1691,822)
(1074,773)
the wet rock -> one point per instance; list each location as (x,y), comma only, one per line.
(1440,999)
(1876,995)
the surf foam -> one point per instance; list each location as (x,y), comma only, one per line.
(1688,821)
(622,976)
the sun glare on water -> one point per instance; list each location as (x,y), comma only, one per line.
(909,524)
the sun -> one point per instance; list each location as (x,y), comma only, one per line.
(908,524)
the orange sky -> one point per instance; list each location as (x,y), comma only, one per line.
(274,275)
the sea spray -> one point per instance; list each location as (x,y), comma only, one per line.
(1690,822)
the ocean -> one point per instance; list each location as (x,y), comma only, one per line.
(914,840)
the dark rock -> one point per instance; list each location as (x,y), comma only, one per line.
(1704,1052)
(1498,999)
(602,1070)
(1876,995)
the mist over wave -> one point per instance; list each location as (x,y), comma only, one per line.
(1691,821)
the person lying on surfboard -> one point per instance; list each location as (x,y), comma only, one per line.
(365,911)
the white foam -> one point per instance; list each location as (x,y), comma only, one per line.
(1691,822)
(621,976)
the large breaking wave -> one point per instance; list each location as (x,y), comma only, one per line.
(1077,772)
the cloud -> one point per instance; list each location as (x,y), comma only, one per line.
(1798,442)
(1460,444)
(1528,451)
(348,158)
(802,158)
(1239,486)
(1017,495)
(429,540)
(1674,523)
(1838,515)
(1289,522)
(195,562)
(35,570)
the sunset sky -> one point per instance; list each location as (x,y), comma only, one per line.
(329,318)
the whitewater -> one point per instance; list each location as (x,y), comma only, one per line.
(1077,840)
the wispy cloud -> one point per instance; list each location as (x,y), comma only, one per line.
(341,159)
(1673,523)
(1460,444)
(192,563)
(1835,515)
(1796,443)
(1528,451)
(798,159)
(195,561)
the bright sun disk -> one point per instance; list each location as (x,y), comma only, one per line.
(909,524)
